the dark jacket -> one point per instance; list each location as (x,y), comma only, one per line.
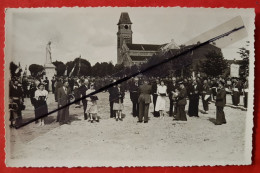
(145,91)
(221,98)
(63,98)
(134,91)
(119,95)
(182,97)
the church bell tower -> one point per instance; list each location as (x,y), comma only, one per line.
(124,34)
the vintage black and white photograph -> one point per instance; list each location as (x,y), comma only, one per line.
(110,86)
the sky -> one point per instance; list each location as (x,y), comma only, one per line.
(91,32)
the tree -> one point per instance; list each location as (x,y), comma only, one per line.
(36,70)
(244,54)
(215,64)
(13,68)
(60,68)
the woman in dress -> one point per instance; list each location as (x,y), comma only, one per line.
(41,108)
(118,102)
(92,105)
(161,99)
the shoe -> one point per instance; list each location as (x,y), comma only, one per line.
(91,121)
(116,119)
(139,121)
(121,119)
(97,120)
(145,121)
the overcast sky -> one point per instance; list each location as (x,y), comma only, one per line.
(91,32)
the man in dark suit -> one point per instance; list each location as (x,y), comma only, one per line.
(220,104)
(112,97)
(134,94)
(83,88)
(181,102)
(194,93)
(63,96)
(154,91)
(144,101)
(172,86)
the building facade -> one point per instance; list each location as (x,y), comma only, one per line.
(129,53)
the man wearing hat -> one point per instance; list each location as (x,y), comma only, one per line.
(220,104)
(144,100)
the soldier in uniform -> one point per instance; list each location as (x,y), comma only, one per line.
(220,104)
(134,94)
(144,100)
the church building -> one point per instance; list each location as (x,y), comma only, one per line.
(129,53)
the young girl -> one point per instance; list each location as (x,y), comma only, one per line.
(118,102)
(41,108)
(92,105)
(161,99)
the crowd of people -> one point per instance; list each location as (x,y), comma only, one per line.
(143,91)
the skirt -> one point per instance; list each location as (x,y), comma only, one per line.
(92,107)
(118,106)
(160,103)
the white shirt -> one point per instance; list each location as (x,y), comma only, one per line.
(39,93)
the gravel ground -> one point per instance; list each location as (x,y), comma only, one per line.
(159,142)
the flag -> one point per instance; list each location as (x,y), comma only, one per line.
(19,69)
(79,64)
(72,70)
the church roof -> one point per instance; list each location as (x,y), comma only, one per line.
(124,19)
(149,47)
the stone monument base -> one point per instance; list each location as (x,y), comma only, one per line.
(49,73)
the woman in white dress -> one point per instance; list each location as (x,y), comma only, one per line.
(161,99)
(92,105)
(41,107)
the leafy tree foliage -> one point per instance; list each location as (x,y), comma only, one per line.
(215,64)
(36,69)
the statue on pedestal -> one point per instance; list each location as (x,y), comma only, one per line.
(48,66)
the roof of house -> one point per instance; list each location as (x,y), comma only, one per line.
(124,19)
(148,47)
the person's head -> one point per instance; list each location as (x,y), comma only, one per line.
(46,78)
(162,82)
(221,84)
(65,83)
(157,81)
(41,86)
(136,79)
(205,81)
(181,85)
(86,82)
(91,85)
(173,79)
(16,82)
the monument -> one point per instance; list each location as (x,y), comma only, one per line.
(48,66)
